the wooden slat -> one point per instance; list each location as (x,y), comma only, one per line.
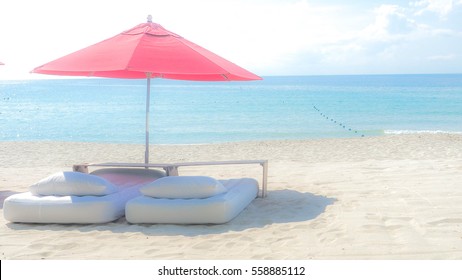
(172,168)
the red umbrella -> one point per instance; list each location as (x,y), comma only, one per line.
(147,51)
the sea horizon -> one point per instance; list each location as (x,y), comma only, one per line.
(34,77)
(186,112)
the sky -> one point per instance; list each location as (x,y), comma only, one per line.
(267,37)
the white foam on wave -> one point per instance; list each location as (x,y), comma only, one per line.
(421,132)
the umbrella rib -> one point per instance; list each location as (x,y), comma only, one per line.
(224,74)
(129,63)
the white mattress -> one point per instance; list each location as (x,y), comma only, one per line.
(213,210)
(29,208)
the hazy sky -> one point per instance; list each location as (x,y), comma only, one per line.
(267,37)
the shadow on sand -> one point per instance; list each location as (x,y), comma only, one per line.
(280,206)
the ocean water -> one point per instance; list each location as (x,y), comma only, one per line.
(289,107)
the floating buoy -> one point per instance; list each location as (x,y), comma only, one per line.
(332,120)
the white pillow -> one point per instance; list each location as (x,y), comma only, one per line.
(72,183)
(183,187)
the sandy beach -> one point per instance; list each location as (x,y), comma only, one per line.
(387,197)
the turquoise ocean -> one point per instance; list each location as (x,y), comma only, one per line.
(183,112)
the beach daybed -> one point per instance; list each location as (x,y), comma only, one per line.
(74,197)
(191,200)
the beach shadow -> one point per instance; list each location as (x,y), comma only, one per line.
(280,206)
(4,195)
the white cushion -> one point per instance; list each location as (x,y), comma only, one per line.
(212,210)
(72,183)
(183,187)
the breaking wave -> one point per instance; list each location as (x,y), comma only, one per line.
(421,132)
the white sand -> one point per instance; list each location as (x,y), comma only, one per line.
(392,197)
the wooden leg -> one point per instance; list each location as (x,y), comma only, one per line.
(171,170)
(80,168)
(264,179)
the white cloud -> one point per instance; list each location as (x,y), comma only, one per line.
(390,23)
(394,39)
(440,7)
(444,57)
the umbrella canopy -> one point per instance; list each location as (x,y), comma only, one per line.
(147,51)
(1,63)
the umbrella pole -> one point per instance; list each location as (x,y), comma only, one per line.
(148,98)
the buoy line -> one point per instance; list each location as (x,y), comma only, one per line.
(341,124)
